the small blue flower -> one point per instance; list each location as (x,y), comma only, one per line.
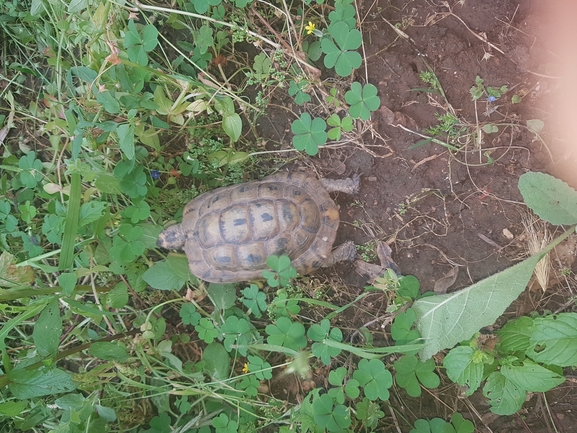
(491,98)
(155,174)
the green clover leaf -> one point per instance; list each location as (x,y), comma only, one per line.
(283,271)
(374,378)
(309,133)
(137,46)
(363,100)
(287,333)
(254,300)
(327,415)
(340,54)
(296,91)
(410,371)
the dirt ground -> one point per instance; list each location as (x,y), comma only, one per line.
(440,210)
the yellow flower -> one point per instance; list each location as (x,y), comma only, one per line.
(310,28)
(245,368)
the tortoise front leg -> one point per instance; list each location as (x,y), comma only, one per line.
(346,251)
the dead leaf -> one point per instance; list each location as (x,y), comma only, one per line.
(12,275)
(442,284)
(374,271)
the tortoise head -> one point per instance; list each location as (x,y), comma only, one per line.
(172,238)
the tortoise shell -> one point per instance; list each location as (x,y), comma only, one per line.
(228,234)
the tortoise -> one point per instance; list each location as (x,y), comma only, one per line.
(228,234)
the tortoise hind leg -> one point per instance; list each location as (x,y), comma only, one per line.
(346,251)
(348,186)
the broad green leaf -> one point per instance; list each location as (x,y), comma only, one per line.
(516,334)
(106,412)
(436,425)
(84,73)
(91,211)
(238,333)
(107,183)
(254,300)
(37,383)
(232,126)
(161,276)
(261,368)
(339,54)
(410,371)
(445,320)
(126,139)
(76,6)
(189,315)
(48,329)
(344,12)
(463,368)
(553,340)
(36,7)
(109,351)
(149,37)
(108,102)
(217,361)
(550,198)
(118,296)
(68,282)
(223,296)
(531,377)
(13,408)
(204,38)
(504,396)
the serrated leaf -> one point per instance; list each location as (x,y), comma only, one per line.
(440,318)
(532,377)
(462,369)
(550,198)
(37,383)
(91,211)
(109,351)
(554,340)
(504,396)
(516,334)
(48,329)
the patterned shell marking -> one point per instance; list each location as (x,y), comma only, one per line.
(230,232)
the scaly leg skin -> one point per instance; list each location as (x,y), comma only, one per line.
(346,251)
(348,186)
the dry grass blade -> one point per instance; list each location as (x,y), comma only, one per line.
(538,236)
